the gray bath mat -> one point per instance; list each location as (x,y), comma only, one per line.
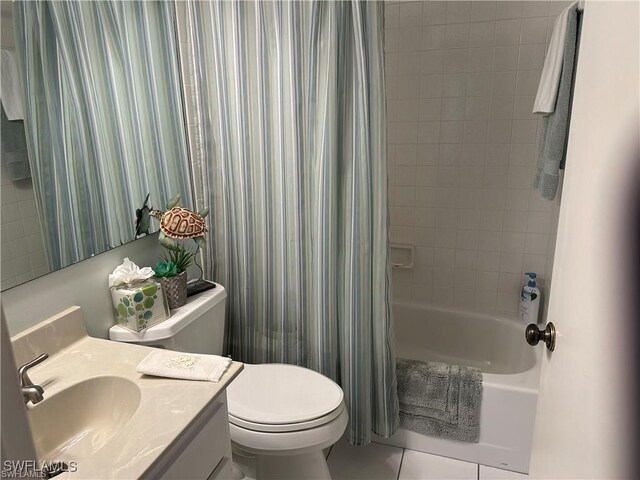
(440,400)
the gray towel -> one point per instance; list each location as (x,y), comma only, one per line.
(555,126)
(440,400)
(14,148)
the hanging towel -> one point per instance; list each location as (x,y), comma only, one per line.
(440,400)
(555,127)
(10,92)
(188,366)
(545,101)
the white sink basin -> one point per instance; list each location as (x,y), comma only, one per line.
(79,420)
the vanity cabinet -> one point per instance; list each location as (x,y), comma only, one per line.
(203,452)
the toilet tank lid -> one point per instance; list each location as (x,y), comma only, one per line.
(181,317)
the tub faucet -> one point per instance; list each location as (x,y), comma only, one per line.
(30,392)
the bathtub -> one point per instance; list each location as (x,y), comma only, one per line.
(510,377)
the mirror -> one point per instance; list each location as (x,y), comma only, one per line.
(100,126)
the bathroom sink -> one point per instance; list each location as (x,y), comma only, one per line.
(100,416)
(76,422)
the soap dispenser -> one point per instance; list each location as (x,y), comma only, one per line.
(530,300)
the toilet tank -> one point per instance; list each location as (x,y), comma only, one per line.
(197,327)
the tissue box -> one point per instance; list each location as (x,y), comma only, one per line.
(139,306)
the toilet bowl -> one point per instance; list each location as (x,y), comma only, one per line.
(281,417)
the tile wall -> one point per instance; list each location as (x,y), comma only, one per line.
(461,80)
(21,248)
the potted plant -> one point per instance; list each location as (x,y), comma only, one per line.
(171,269)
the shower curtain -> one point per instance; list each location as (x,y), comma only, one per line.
(103,117)
(288,98)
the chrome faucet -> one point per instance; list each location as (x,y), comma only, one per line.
(30,392)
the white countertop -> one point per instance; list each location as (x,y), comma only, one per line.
(166,410)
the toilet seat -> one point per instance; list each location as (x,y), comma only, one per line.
(277,409)
(286,427)
(282,398)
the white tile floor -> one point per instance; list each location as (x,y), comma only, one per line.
(383,462)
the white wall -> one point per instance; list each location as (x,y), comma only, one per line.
(84,284)
(585,418)
(461,79)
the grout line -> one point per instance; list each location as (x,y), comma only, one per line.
(400,467)
(478,465)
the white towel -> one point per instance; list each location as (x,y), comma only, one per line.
(10,92)
(545,102)
(188,366)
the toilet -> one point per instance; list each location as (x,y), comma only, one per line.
(281,417)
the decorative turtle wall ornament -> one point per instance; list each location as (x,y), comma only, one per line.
(180,223)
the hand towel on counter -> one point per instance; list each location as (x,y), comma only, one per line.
(10,92)
(545,101)
(555,127)
(187,366)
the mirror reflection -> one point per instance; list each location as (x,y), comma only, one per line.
(92,123)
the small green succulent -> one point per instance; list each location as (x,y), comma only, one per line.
(180,256)
(165,269)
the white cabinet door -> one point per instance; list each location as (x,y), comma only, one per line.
(204,452)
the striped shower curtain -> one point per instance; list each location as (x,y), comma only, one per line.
(290,106)
(103,117)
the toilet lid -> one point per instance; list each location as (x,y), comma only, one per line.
(281,394)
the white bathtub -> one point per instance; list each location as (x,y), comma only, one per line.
(511,372)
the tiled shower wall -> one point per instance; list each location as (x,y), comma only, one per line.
(22,251)
(461,79)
